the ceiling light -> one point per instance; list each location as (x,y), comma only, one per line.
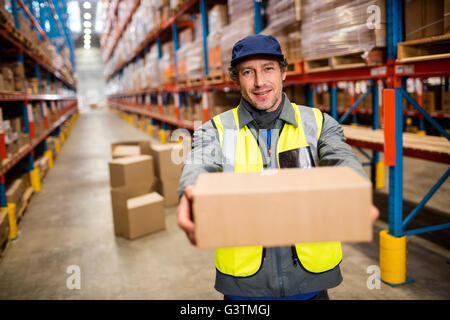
(87,46)
(73,10)
(87,24)
(87,16)
(87,36)
(87,31)
(87,5)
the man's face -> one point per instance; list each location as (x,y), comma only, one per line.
(261,82)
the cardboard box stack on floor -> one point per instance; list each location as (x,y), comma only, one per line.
(282,207)
(168,165)
(137,209)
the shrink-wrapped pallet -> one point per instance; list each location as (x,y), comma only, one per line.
(238,9)
(333,28)
(232,33)
(217,20)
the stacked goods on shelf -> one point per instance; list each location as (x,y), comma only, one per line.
(15,139)
(168,164)
(217,20)
(42,164)
(283,23)
(445,102)
(192,110)
(18,192)
(194,56)
(426,18)
(241,24)
(427,30)
(29,38)
(339,34)
(222,101)
(296,94)
(168,63)
(185,39)
(137,209)
(13,75)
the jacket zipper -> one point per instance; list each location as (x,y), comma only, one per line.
(295,258)
(279,271)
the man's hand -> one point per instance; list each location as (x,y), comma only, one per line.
(374,214)
(184,214)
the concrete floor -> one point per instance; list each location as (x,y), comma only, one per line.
(70,223)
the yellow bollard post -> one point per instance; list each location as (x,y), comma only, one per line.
(150,130)
(62,138)
(162,136)
(392,258)
(57,146)
(49,155)
(11,209)
(35,179)
(141,126)
(379,169)
(421,133)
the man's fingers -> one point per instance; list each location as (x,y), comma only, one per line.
(184,215)
(374,213)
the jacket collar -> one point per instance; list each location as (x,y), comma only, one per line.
(287,113)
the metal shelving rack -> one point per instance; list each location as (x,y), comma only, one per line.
(388,78)
(16,48)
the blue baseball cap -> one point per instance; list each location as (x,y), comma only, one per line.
(255,45)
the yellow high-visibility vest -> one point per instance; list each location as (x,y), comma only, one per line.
(242,151)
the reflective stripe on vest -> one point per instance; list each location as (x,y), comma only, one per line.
(241,153)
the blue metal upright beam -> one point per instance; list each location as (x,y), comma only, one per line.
(309,95)
(394,15)
(257,4)
(176,46)
(396,172)
(333,100)
(204,15)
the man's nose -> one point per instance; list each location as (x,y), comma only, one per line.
(259,79)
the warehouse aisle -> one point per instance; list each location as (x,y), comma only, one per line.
(70,224)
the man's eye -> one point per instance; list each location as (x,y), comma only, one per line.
(269,68)
(246,72)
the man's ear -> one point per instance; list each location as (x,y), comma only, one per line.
(283,75)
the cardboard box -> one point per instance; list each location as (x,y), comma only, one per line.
(166,168)
(445,106)
(130,148)
(131,171)
(15,191)
(139,215)
(446,16)
(4,228)
(429,101)
(282,207)
(168,188)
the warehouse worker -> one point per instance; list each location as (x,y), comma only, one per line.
(287,135)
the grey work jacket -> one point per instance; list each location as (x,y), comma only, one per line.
(278,275)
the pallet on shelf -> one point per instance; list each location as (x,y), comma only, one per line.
(182,81)
(345,61)
(194,82)
(318,65)
(215,76)
(431,48)
(294,68)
